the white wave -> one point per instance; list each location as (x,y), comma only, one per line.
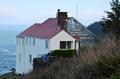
(4,50)
(14,53)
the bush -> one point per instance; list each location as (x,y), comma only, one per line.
(100,62)
(109,65)
(64,53)
(113,76)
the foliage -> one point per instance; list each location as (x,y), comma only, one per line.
(113,76)
(100,62)
(109,65)
(64,53)
(96,28)
(112,22)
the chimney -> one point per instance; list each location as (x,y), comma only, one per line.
(62,19)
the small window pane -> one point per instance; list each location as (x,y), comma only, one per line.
(17,41)
(30,58)
(46,44)
(19,57)
(34,41)
(69,44)
(26,40)
(23,42)
(62,45)
(29,40)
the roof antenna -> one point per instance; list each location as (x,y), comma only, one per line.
(77,12)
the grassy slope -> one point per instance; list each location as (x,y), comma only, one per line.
(83,66)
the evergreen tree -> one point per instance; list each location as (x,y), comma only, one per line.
(112,22)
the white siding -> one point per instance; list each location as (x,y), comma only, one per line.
(29,49)
(36,49)
(19,53)
(62,36)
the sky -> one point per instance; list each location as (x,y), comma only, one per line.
(28,12)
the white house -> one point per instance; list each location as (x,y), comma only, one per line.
(40,39)
(62,32)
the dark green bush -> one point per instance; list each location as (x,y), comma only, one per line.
(109,65)
(113,76)
(64,53)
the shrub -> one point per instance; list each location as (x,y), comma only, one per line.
(64,53)
(39,63)
(100,62)
(109,65)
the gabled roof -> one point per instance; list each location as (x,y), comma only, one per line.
(47,29)
(77,37)
(85,29)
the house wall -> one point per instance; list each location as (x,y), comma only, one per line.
(26,49)
(19,55)
(87,38)
(62,36)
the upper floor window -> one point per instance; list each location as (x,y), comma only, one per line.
(29,40)
(26,40)
(46,43)
(17,42)
(34,41)
(22,41)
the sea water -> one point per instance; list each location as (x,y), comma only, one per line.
(7,50)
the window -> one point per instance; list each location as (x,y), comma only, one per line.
(26,40)
(69,44)
(65,44)
(62,45)
(30,58)
(17,41)
(29,40)
(38,55)
(19,57)
(34,41)
(22,41)
(46,43)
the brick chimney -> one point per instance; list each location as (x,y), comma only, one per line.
(62,19)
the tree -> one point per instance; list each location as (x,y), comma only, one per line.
(112,22)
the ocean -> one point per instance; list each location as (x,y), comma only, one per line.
(7,50)
(8,34)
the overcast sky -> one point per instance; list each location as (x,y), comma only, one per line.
(36,11)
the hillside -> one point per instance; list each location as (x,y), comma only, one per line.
(96,28)
(102,62)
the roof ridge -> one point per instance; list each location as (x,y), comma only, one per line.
(47,29)
(34,25)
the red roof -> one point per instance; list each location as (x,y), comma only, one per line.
(77,37)
(47,29)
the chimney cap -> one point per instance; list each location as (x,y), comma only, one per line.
(58,10)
